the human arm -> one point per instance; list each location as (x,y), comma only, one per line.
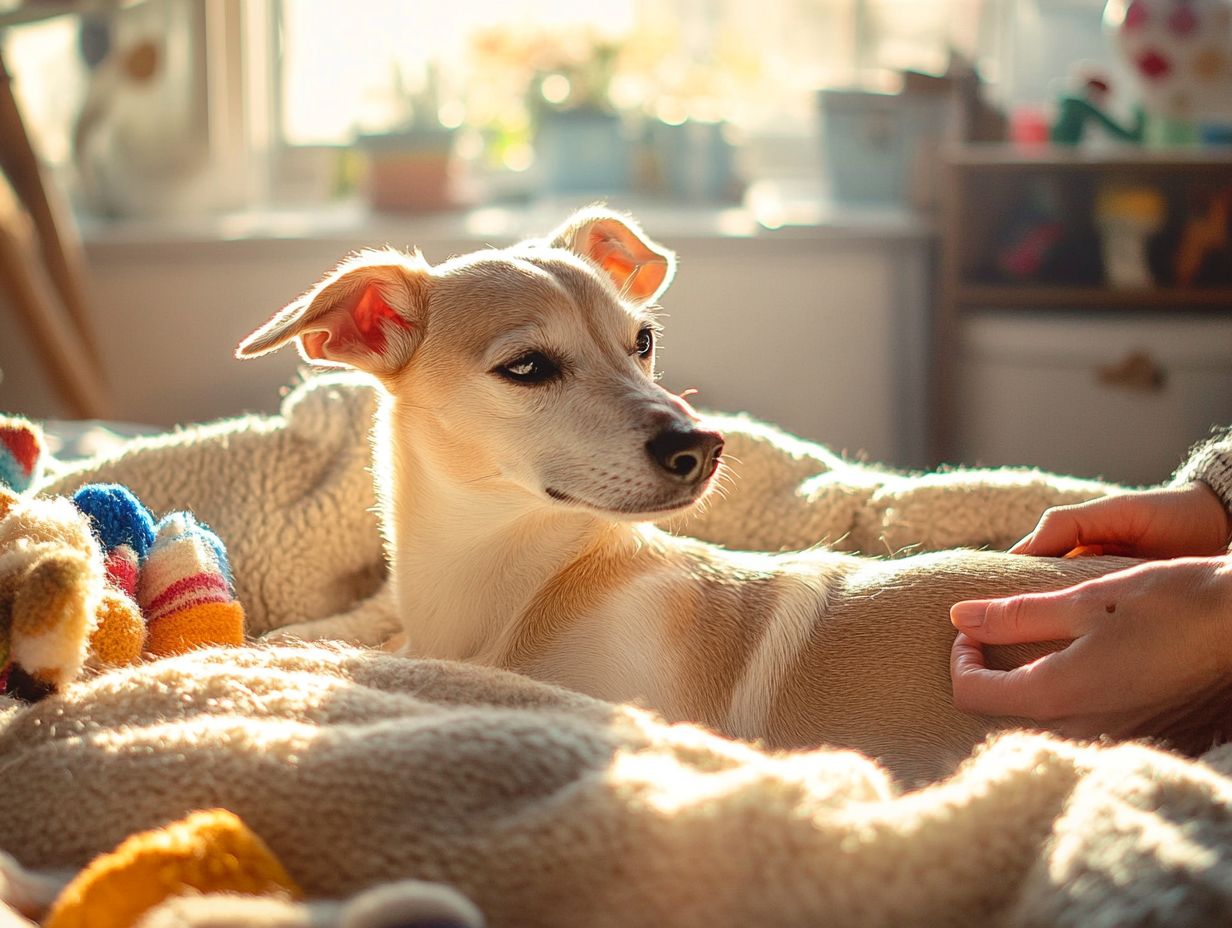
(1210,463)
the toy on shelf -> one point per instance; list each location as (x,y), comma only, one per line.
(1127,216)
(1204,253)
(1179,55)
(1078,112)
(1046,237)
(1035,231)
(94,581)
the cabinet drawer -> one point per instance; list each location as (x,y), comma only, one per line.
(1120,397)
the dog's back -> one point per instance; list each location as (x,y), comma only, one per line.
(874,675)
(796,650)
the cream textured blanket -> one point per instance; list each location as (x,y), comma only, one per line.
(548,808)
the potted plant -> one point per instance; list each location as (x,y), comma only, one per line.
(410,168)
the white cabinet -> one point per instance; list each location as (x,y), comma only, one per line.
(1121,396)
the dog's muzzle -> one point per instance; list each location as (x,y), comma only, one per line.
(687,455)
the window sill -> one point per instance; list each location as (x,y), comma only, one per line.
(768,214)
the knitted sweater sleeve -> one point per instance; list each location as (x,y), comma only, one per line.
(1211,462)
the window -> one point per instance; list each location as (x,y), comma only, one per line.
(256,97)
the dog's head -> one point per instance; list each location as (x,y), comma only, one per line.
(528,367)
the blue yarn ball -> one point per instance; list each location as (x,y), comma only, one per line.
(116,517)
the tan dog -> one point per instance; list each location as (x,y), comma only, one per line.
(524,444)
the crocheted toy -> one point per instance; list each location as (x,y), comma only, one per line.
(206,852)
(185,590)
(124,529)
(53,593)
(95,581)
(177,570)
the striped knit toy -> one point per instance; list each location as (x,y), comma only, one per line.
(184,590)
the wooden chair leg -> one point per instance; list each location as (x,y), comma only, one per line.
(53,332)
(56,230)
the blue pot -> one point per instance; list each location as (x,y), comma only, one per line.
(582,151)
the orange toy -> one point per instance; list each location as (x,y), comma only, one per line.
(207,852)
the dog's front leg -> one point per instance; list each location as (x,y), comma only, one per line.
(370,623)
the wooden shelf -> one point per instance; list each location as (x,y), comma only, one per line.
(983,190)
(1037,296)
(1017,158)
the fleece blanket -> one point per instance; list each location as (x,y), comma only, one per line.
(551,809)
(362,771)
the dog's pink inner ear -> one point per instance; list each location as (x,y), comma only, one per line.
(633,267)
(361,328)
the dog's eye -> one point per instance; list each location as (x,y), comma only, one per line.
(530,368)
(645,342)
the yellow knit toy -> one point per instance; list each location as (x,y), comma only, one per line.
(207,852)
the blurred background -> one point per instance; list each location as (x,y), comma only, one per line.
(918,231)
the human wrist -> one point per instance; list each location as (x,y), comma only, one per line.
(1210,466)
(1210,507)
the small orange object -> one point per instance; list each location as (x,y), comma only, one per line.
(207,852)
(1086,551)
(203,625)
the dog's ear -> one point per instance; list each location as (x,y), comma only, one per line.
(367,314)
(639,266)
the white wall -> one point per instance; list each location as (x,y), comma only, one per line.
(811,328)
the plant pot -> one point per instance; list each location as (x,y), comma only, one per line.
(410,171)
(582,151)
(694,162)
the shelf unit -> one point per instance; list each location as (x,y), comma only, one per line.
(981,186)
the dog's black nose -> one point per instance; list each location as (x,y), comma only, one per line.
(687,454)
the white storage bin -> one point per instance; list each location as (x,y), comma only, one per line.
(1122,397)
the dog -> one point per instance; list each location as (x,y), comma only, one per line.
(522,449)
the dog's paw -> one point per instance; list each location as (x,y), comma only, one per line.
(297,631)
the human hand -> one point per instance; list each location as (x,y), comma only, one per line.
(1151,651)
(1185,521)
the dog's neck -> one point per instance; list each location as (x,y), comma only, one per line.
(468,558)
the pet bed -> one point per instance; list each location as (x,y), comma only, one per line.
(361,770)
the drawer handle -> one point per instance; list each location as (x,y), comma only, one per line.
(1136,371)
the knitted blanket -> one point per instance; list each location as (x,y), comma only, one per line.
(551,809)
